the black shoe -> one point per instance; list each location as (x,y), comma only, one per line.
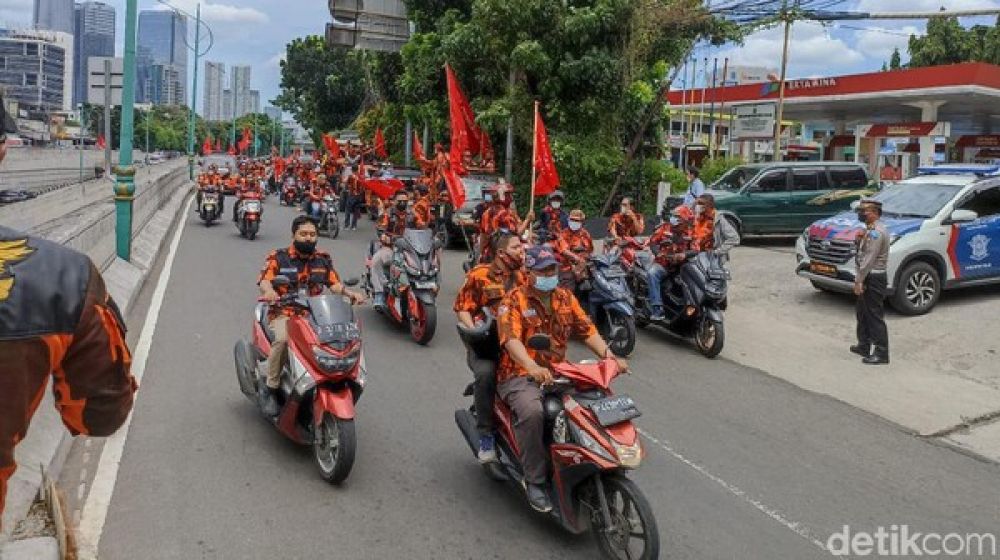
(268,402)
(863,350)
(538,499)
(878,357)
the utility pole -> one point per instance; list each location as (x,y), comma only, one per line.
(781,83)
(194,92)
(145,124)
(255,135)
(107,116)
(125,173)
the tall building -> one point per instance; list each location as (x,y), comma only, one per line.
(94,35)
(273,113)
(215,76)
(37,70)
(162,35)
(164,85)
(239,83)
(254,105)
(54,15)
(227,104)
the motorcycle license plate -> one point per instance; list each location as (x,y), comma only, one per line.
(424,285)
(614,410)
(824,269)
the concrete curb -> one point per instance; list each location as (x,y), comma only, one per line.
(47,442)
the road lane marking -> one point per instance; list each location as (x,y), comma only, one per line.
(794,526)
(95,510)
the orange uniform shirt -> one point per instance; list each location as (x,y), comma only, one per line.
(626,226)
(315,271)
(485,287)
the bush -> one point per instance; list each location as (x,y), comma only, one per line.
(712,169)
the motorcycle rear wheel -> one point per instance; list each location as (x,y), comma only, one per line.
(632,518)
(332,226)
(709,336)
(334,447)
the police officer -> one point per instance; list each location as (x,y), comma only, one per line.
(870,285)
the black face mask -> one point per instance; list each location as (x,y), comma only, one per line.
(401,206)
(305,247)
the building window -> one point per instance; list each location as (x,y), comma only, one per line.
(31,79)
(31,49)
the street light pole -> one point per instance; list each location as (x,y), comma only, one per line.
(194,93)
(125,172)
(255,135)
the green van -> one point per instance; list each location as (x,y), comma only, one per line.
(785,197)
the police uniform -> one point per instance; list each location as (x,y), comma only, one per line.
(872,258)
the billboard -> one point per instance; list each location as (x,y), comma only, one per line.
(378,25)
(753,121)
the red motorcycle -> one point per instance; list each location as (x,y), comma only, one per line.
(249,214)
(322,380)
(592,444)
(289,194)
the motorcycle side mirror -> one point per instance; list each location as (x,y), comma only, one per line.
(540,342)
(352,282)
(280,282)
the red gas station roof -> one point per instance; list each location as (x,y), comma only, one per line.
(932,77)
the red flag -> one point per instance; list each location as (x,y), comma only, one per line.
(546,176)
(380,150)
(100,141)
(418,148)
(279,168)
(331,145)
(455,187)
(465,133)
(384,188)
(218,144)
(206,148)
(244,142)
(231,151)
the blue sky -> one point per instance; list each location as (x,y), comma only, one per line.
(255,32)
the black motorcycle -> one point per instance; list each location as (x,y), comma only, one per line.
(606,296)
(693,299)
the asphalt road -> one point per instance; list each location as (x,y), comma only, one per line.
(738,464)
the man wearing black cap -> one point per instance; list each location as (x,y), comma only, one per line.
(870,285)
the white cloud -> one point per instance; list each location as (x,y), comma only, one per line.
(221,13)
(924,5)
(811,46)
(275,61)
(878,42)
(16,13)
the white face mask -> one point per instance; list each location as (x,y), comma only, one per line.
(624,209)
(575,226)
(698,209)
(556,204)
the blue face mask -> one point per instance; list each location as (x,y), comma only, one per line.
(546,283)
(488,198)
(674,220)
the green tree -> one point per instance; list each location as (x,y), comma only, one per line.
(895,62)
(946,42)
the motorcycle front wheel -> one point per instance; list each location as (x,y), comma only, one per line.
(334,446)
(709,337)
(633,534)
(332,226)
(423,325)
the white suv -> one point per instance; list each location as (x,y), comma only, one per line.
(945,228)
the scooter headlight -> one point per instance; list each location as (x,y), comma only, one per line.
(332,362)
(584,439)
(629,455)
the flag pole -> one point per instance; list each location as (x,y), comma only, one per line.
(534,155)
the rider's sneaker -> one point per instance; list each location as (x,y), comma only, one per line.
(657,314)
(538,499)
(487,450)
(379,302)
(268,402)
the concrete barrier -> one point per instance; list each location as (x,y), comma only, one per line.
(86,223)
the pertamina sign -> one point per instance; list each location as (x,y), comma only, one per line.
(753,121)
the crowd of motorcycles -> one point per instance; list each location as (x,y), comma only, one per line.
(592,440)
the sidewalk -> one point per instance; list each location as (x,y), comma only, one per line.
(944,364)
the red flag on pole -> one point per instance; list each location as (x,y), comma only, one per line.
(418,148)
(546,176)
(384,188)
(206,148)
(218,144)
(244,142)
(100,141)
(232,150)
(456,189)
(458,112)
(380,150)
(331,145)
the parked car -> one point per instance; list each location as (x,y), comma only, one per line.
(8,196)
(463,224)
(784,197)
(945,233)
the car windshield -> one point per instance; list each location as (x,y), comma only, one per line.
(915,200)
(735,178)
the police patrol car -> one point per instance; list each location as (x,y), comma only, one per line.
(945,233)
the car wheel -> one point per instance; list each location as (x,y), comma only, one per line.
(918,289)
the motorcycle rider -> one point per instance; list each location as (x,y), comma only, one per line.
(574,246)
(304,266)
(314,198)
(626,222)
(670,242)
(391,225)
(422,215)
(552,219)
(484,288)
(498,216)
(712,231)
(540,307)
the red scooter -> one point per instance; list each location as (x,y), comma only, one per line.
(289,194)
(592,444)
(322,380)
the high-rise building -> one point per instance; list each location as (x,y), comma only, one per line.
(164,85)
(37,69)
(54,15)
(162,35)
(273,113)
(239,84)
(254,105)
(215,76)
(227,104)
(94,35)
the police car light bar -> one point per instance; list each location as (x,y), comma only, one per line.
(960,169)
